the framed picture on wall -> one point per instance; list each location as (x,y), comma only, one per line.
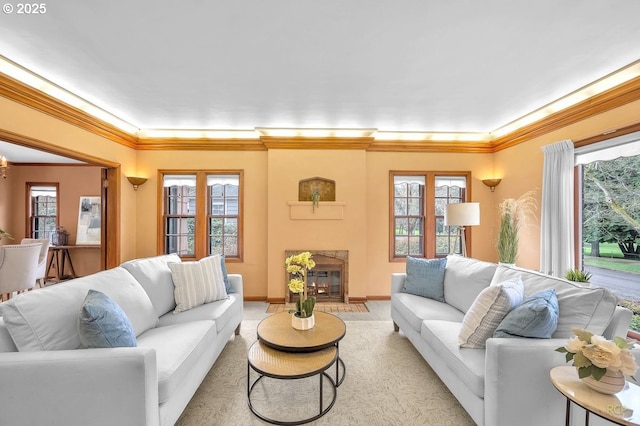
(89,215)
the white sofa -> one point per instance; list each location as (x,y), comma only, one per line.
(508,382)
(46,379)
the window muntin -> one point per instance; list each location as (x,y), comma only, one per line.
(43,210)
(202,214)
(417,213)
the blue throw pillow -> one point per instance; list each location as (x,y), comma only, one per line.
(425,277)
(103,324)
(536,317)
(227,284)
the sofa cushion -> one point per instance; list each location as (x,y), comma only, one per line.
(464,279)
(47,319)
(154,276)
(416,309)
(179,348)
(536,317)
(221,311)
(425,277)
(588,308)
(487,311)
(466,363)
(197,283)
(103,324)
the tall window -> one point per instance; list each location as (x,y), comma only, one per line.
(202,214)
(43,209)
(418,202)
(609,211)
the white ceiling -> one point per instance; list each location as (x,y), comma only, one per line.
(411,65)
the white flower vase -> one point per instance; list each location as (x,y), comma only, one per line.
(612,382)
(302,323)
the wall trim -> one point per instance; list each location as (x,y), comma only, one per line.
(33,98)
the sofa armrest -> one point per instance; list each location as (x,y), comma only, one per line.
(236,284)
(115,386)
(397,282)
(516,375)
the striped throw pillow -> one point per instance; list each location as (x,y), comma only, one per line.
(197,283)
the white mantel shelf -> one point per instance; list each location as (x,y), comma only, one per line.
(326,210)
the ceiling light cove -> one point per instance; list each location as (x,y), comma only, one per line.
(197,134)
(433,136)
(314,133)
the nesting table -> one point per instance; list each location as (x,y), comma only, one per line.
(282,352)
(622,408)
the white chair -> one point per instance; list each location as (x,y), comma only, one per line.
(18,267)
(42,260)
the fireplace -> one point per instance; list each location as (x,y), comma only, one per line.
(328,280)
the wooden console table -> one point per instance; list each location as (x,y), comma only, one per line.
(59,258)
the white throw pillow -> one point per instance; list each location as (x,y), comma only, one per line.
(487,311)
(197,283)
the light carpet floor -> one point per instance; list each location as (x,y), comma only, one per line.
(387,383)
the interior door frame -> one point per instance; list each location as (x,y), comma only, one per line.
(110,192)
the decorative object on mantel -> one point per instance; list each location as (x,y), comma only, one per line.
(513,217)
(492,183)
(326,189)
(315,199)
(298,265)
(601,363)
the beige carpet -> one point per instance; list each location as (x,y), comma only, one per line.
(387,383)
(321,307)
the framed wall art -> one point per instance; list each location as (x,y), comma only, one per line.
(89,215)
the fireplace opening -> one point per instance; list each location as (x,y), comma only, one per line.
(327,281)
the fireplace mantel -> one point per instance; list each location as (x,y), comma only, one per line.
(326,210)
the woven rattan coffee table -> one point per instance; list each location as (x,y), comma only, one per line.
(283,352)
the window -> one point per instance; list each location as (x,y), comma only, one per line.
(201,214)
(608,206)
(43,209)
(418,202)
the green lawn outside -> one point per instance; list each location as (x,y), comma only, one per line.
(611,258)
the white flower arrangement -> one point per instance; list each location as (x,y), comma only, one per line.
(592,355)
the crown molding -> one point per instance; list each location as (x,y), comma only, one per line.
(597,104)
(28,96)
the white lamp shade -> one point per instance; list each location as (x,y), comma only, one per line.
(462,214)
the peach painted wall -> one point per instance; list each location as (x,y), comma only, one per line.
(254,164)
(26,121)
(521,168)
(348,169)
(74,181)
(379,268)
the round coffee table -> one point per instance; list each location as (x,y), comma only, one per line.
(270,362)
(283,352)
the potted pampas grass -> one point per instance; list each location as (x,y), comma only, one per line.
(513,217)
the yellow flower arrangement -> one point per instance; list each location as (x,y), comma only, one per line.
(297,266)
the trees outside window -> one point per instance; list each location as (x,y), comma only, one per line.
(610,227)
(417,204)
(43,209)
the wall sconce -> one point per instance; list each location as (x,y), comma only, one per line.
(136,181)
(492,183)
(4,167)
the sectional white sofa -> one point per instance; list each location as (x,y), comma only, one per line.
(506,383)
(46,379)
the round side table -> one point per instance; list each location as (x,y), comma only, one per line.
(622,408)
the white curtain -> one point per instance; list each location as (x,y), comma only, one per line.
(556,231)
